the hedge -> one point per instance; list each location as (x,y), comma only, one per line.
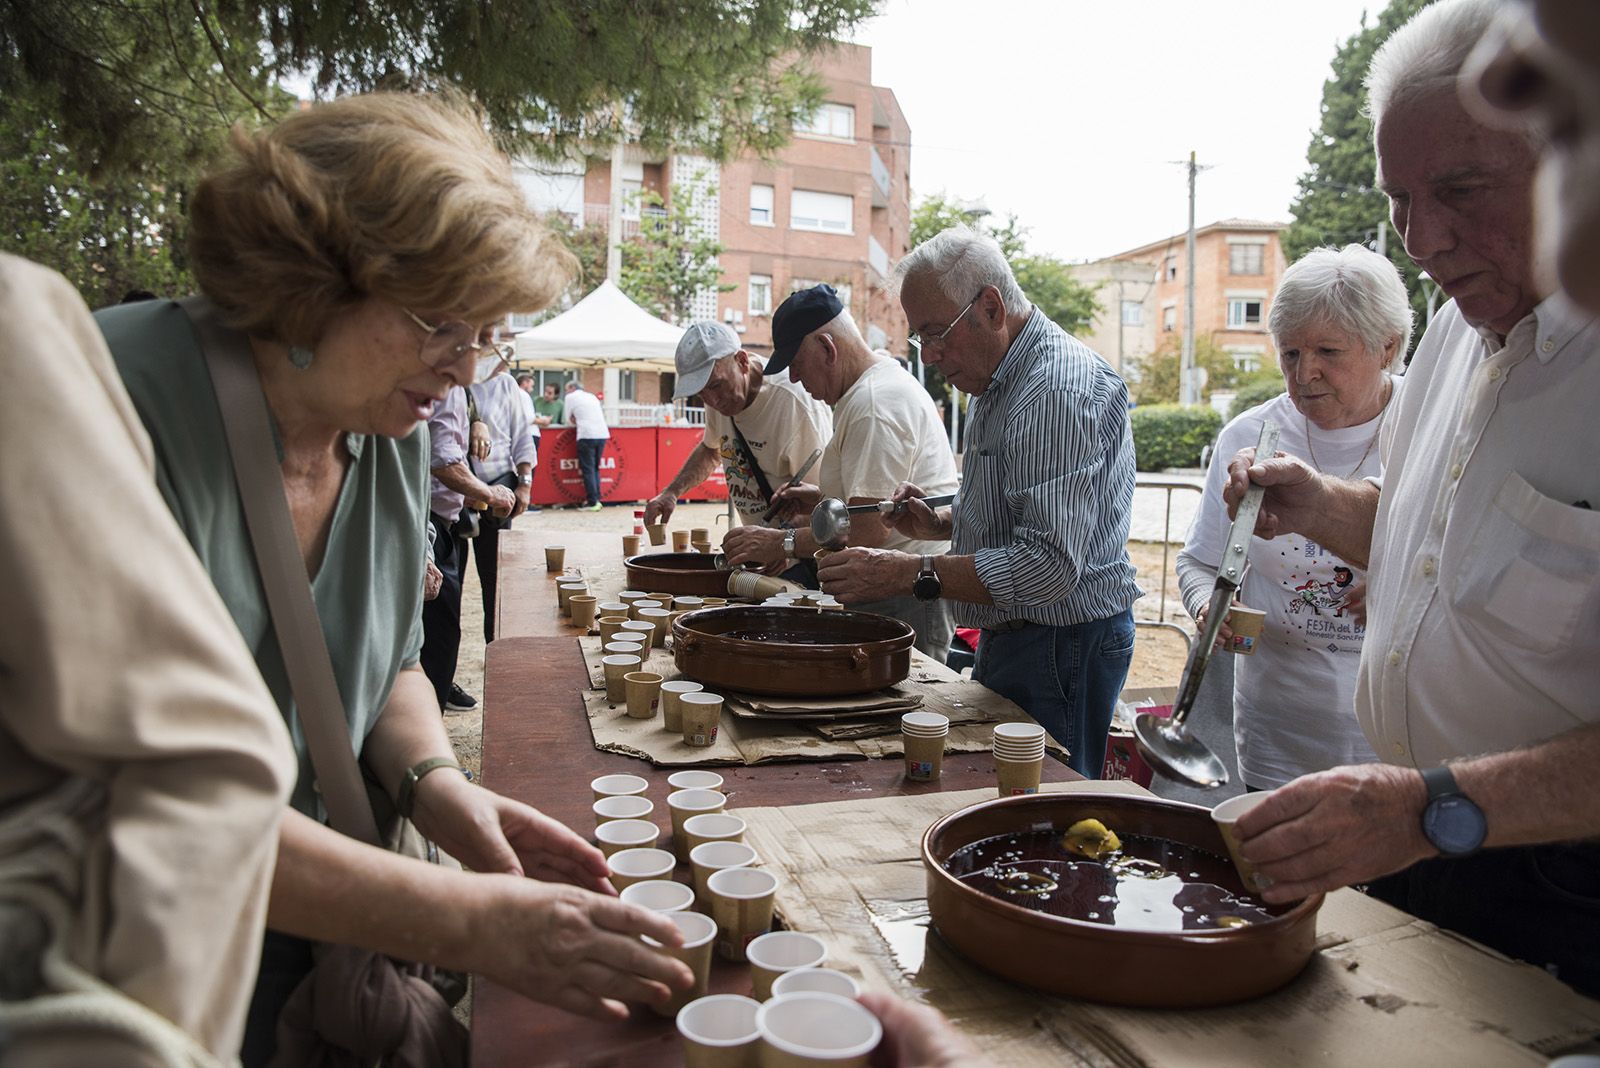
(1253,394)
(1172,435)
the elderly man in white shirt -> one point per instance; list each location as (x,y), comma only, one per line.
(1479,663)
(503,408)
(589,418)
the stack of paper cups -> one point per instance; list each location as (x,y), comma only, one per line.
(1018,757)
(924,735)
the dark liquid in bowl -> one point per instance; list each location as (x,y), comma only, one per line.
(1153,884)
(788,637)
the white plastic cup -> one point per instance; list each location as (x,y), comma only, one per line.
(816,981)
(659,895)
(694,780)
(813,1028)
(713,857)
(712,827)
(719,1031)
(618,786)
(623,807)
(777,952)
(614,836)
(631,866)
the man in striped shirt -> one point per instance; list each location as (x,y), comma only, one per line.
(1039,532)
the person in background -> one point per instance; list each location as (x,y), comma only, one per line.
(536,422)
(761,428)
(143,764)
(583,411)
(508,464)
(360,248)
(885,433)
(550,407)
(1340,321)
(1039,534)
(1476,683)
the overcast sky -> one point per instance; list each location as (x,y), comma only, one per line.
(1067,112)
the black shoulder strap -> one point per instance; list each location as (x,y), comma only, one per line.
(750,461)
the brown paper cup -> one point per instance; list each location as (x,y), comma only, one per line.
(772,954)
(618,786)
(741,902)
(701,547)
(661,618)
(614,836)
(702,718)
(810,1029)
(616,669)
(565,591)
(658,533)
(685,803)
(1226,815)
(643,690)
(659,895)
(699,534)
(629,866)
(609,625)
(624,807)
(582,606)
(1018,777)
(1246,624)
(630,545)
(680,541)
(638,603)
(555,559)
(712,827)
(713,857)
(671,710)
(924,756)
(699,933)
(636,630)
(719,1031)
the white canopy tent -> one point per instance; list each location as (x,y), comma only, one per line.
(604,329)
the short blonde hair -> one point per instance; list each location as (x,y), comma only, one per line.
(397,196)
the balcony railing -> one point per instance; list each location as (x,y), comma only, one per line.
(600,215)
(880,181)
(877,258)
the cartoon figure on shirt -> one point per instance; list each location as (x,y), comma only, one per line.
(741,480)
(1319,595)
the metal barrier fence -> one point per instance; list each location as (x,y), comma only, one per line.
(1168,485)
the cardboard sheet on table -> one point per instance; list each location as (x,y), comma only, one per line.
(762,741)
(1383,986)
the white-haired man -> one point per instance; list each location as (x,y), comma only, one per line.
(760,427)
(1039,558)
(885,433)
(1477,676)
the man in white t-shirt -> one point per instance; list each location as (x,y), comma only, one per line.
(885,432)
(760,427)
(584,413)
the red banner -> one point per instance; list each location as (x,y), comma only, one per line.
(636,464)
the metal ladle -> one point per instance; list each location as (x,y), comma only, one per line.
(830,519)
(1167,742)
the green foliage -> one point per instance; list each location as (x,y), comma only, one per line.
(1253,394)
(1172,435)
(1338,202)
(588,244)
(670,261)
(1153,379)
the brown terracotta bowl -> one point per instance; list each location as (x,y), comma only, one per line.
(687,573)
(1082,959)
(799,651)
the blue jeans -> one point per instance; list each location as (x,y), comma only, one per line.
(589,452)
(1066,678)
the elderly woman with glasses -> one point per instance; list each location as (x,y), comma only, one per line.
(361,248)
(1340,321)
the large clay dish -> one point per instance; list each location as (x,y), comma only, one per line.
(1155,969)
(686,573)
(833,652)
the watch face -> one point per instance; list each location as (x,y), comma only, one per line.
(926,588)
(1454,824)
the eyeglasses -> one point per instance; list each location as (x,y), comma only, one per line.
(929,341)
(453,341)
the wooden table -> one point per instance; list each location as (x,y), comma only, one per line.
(537,748)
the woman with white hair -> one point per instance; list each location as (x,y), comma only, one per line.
(1340,321)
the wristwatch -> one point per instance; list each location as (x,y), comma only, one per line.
(927,587)
(525,480)
(1452,821)
(788,543)
(406,802)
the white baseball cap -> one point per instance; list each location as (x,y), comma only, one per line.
(702,345)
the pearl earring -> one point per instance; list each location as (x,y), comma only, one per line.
(300,356)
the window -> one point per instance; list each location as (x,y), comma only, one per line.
(830,212)
(761,294)
(1245,259)
(627,385)
(1246,360)
(1243,312)
(830,120)
(1169,318)
(1132,313)
(761,205)
(1170,269)
(631,192)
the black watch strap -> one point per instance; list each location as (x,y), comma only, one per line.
(1440,781)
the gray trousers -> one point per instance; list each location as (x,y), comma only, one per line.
(930,619)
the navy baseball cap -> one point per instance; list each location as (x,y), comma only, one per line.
(806,310)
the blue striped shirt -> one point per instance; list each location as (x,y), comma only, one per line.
(1047,486)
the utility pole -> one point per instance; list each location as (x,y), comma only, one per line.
(619,149)
(1383,238)
(1187,393)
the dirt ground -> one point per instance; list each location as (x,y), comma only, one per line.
(1157,661)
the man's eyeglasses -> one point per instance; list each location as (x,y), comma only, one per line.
(452,341)
(929,341)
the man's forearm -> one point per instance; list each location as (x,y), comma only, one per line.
(1543,793)
(959,581)
(1345,525)
(460,478)
(697,467)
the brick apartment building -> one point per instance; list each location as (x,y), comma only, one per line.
(1141,291)
(832,206)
